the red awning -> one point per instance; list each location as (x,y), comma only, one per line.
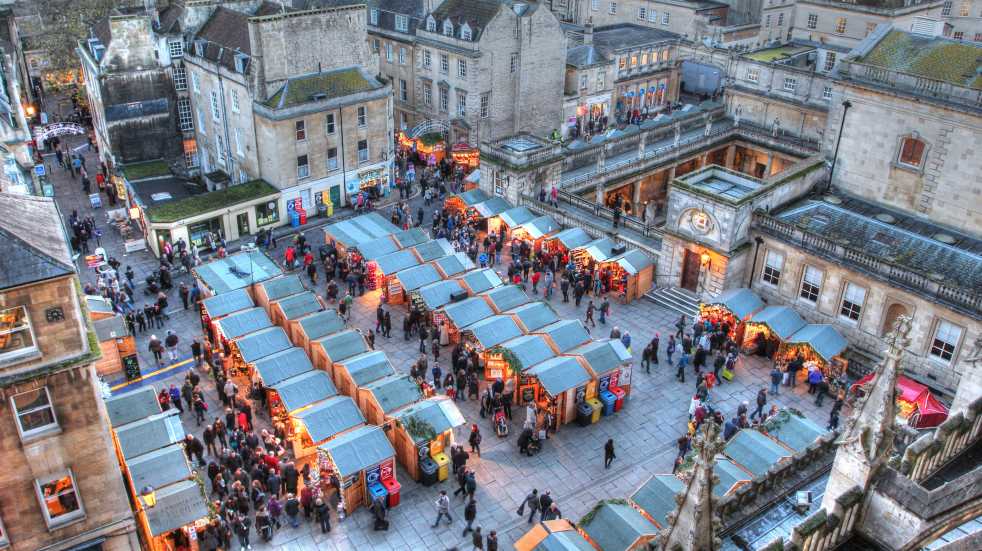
(929,413)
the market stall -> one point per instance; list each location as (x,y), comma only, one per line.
(820,346)
(410,238)
(242,323)
(423,433)
(248,350)
(512,219)
(382,274)
(556,385)
(459,315)
(631,274)
(565,241)
(793,430)
(486,214)
(118,347)
(179,514)
(487,333)
(149,434)
(373,182)
(533,316)
(478,281)
(556,535)
(378,247)
(296,393)
(586,257)
(379,399)
(431,147)
(411,280)
(217,307)
(513,356)
(454,265)
(618,527)
(281,366)
(916,406)
(458,203)
(754,452)
(536,230)
(360,370)
(360,458)
(505,297)
(433,249)
(731,477)
(432,297)
(125,407)
(731,309)
(238,271)
(655,499)
(334,348)
(350,233)
(564,335)
(768,328)
(465,156)
(279,288)
(316,326)
(287,311)
(319,423)
(610,364)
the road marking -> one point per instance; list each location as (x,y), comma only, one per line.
(152,374)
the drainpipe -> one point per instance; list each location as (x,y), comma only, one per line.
(341,152)
(838,140)
(753,267)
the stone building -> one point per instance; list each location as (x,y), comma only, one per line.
(965,19)
(15,152)
(694,19)
(61,487)
(392,28)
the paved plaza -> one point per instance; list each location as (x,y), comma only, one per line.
(570,464)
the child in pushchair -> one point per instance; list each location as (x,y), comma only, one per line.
(500,422)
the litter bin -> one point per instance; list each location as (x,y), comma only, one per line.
(377,491)
(392,486)
(428,471)
(584,414)
(607,398)
(618,397)
(443,462)
(597,409)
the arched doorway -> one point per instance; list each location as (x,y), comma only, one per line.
(893,312)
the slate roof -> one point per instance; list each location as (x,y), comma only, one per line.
(394,392)
(321,324)
(305,389)
(228,303)
(617,527)
(326,85)
(585,56)
(134,405)
(159,468)
(33,243)
(282,287)
(170,19)
(358,450)
(476,13)
(226,32)
(388,9)
(330,418)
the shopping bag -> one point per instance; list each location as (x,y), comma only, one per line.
(786,378)
(727,374)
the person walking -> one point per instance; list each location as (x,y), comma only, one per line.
(470,513)
(443,509)
(589,314)
(170,341)
(478,539)
(157,349)
(683,362)
(670,349)
(776,377)
(609,455)
(545,502)
(532,502)
(292,509)
(323,513)
(680,326)
(196,352)
(475,440)
(185,294)
(761,402)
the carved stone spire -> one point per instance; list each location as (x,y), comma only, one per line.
(694,525)
(867,440)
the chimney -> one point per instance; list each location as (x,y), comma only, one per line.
(588,33)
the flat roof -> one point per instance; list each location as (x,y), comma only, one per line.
(722,183)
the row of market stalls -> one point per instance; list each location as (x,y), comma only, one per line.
(170,507)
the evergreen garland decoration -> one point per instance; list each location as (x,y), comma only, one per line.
(587,518)
(419,429)
(514,364)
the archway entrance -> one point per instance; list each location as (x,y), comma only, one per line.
(893,312)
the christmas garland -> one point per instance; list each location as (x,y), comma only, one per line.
(588,518)
(419,429)
(212,509)
(514,364)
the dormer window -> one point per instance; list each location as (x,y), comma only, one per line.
(431,24)
(465,32)
(447,28)
(373,16)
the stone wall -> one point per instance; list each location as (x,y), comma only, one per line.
(132,46)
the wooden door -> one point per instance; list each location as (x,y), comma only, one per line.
(690,271)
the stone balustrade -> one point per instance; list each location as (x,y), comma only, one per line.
(932,451)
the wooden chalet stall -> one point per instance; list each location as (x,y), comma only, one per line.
(241,270)
(432,250)
(533,316)
(334,348)
(610,363)
(460,202)
(536,231)
(348,234)
(754,452)
(459,315)
(320,422)
(371,252)
(565,241)
(432,297)
(618,527)
(411,237)
(148,434)
(512,219)
(564,335)
(217,307)
(454,265)
(485,215)
(769,328)
(405,282)
(286,312)
(276,368)
(125,407)
(378,247)
(361,370)
(240,324)
(248,350)
(485,335)
(820,345)
(118,347)
(359,457)
(382,272)
(424,430)
(587,257)
(316,326)
(379,399)
(289,396)
(732,309)
(510,358)
(553,535)
(506,297)
(479,281)
(273,290)
(556,385)
(731,477)
(632,274)
(655,499)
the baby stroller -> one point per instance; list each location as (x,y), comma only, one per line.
(500,422)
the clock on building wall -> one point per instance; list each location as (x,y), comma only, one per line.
(700,222)
(54,314)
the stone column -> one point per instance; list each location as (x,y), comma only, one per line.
(642,142)
(601,161)
(730,156)
(770,162)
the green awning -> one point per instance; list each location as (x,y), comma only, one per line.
(506,297)
(132,405)
(740,302)
(281,366)
(469,311)
(343,345)
(473,197)
(330,417)
(492,207)
(305,389)
(572,238)
(600,250)
(783,321)
(394,392)
(321,324)
(237,271)
(300,305)
(534,315)
(262,343)
(359,449)
(517,216)
(282,287)
(541,226)
(368,367)
(243,323)
(418,276)
(633,261)
(494,330)
(616,527)
(222,305)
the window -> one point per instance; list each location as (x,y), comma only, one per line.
(829,61)
(175,48)
(447,28)
(811,284)
(234,95)
(595,5)
(634,61)
(753,74)
(773,264)
(911,152)
(402,55)
(301,128)
(216,112)
(644,58)
(965,8)
(946,9)
(376,45)
(427,58)
(220,148)
(514,62)
(665,18)
(332,158)
(767,20)
(461,103)
(362,116)
(978,37)
(485,105)
(462,68)
(180,78)
(238,143)
(190,154)
(329,123)
(621,62)
(195,84)
(945,341)
(812,20)
(303,167)
(652,16)
(465,33)
(362,151)
(840,25)
(444,64)
(583,81)
(600,79)
(388,52)
(780,19)
(184,119)
(427,93)
(642,13)
(827,93)
(59,498)
(402,23)
(613,8)
(403,90)
(267,213)
(852,302)
(958,35)
(431,24)
(444,99)
(790,84)
(201,122)
(373,16)
(665,54)
(34,412)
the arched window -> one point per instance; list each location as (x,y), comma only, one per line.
(912,152)
(431,24)
(447,28)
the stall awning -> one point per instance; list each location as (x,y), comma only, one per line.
(321,324)
(466,312)
(824,339)
(494,330)
(740,302)
(754,452)
(228,303)
(394,392)
(436,295)
(794,431)
(473,197)
(177,505)
(454,264)
(378,247)
(506,297)
(492,207)
(418,276)
(243,323)
(300,305)
(433,249)
(395,262)
(359,449)
(410,238)
(305,389)
(730,474)
(344,345)
(360,229)
(534,315)
(559,374)
(133,405)
(374,224)
(553,535)
(263,343)
(601,250)
(237,271)
(657,497)
(566,334)
(331,417)
(159,467)
(540,227)
(528,350)
(482,280)
(517,216)
(782,320)
(633,262)
(146,435)
(618,527)
(281,366)
(572,238)
(439,412)
(603,356)
(282,287)
(368,367)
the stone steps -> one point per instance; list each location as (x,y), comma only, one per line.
(676,299)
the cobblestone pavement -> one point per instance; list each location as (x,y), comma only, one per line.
(570,464)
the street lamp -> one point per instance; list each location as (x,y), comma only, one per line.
(149,496)
(838,140)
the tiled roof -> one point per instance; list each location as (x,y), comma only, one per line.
(476,13)
(585,55)
(170,19)
(954,61)
(323,86)
(34,246)
(226,32)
